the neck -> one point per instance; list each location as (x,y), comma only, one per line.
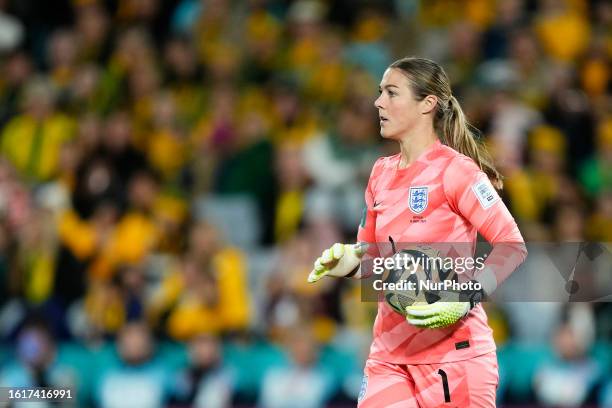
(414,144)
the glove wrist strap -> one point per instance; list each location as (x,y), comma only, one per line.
(474,297)
(353,272)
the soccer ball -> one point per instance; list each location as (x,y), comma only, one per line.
(415,275)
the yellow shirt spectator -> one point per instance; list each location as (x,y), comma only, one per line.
(167,152)
(129,242)
(564,36)
(209,304)
(33,146)
(134,236)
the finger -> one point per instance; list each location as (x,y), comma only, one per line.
(337,251)
(318,272)
(315,276)
(421,322)
(419,311)
(327,257)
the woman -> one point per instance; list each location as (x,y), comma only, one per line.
(439,188)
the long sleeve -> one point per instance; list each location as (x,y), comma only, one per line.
(367,226)
(471,194)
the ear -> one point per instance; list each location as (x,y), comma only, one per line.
(429,104)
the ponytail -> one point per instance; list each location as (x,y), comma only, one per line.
(456,133)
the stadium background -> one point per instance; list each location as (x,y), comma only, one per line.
(169,171)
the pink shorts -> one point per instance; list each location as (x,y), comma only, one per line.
(467,383)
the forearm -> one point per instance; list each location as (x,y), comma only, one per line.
(503,259)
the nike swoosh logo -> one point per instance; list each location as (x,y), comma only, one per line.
(375,204)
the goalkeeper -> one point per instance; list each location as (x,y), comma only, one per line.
(441,187)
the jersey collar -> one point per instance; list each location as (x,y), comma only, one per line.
(422,157)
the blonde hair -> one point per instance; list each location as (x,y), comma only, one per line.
(428,78)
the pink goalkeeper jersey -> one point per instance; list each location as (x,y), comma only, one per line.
(441,197)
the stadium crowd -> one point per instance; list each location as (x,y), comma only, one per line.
(169,170)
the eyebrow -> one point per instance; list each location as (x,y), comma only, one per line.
(388,86)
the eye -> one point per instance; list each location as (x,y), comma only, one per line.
(391,93)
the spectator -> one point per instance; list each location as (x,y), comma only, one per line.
(93,27)
(302,384)
(36,363)
(32,140)
(571,363)
(206,293)
(339,161)
(206,383)
(62,58)
(563,29)
(137,380)
(293,180)
(599,224)
(16,71)
(596,172)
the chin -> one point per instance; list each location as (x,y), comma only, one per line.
(385,134)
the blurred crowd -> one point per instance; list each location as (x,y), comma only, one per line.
(169,170)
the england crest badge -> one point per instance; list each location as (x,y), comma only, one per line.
(417,199)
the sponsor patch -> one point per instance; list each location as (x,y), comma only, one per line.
(485,193)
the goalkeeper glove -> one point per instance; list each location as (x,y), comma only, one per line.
(340,260)
(442,314)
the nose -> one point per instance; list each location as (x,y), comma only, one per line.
(378,102)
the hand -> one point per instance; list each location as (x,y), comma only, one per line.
(436,315)
(340,260)
(442,314)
